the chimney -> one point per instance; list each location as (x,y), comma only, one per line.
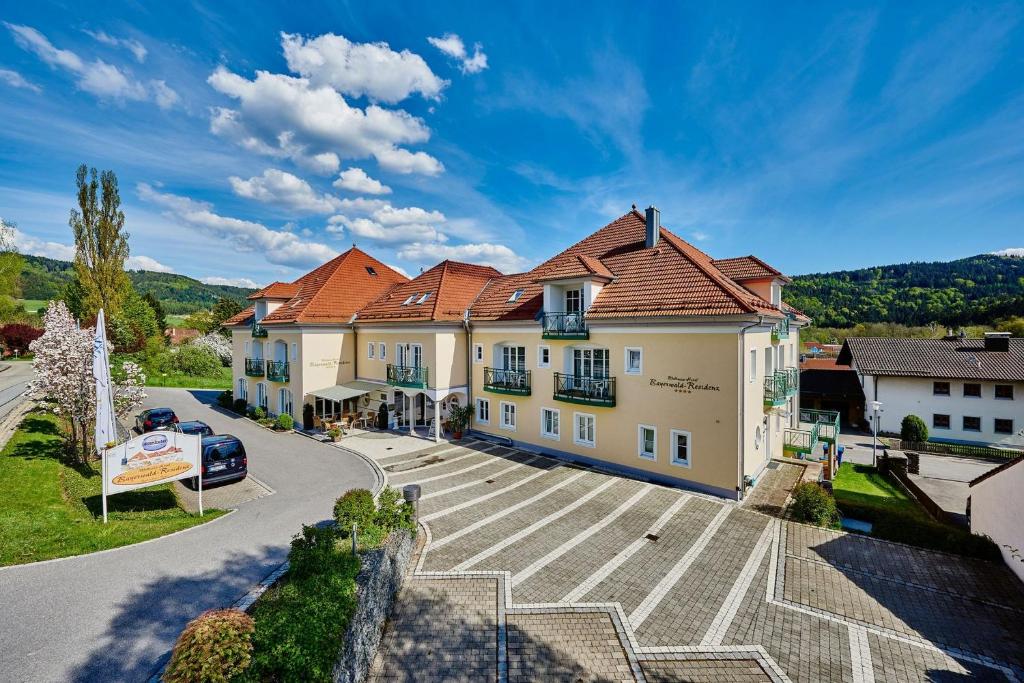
(997,341)
(653,226)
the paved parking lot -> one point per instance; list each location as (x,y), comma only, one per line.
(582,575)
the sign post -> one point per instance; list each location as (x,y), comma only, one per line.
(152,458)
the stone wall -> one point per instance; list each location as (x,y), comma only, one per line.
(377,584)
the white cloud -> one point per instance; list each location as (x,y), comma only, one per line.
(277,246)
(699,236)
(451,44)
(355,180)
(284,189)
(1017,252)
(389,215)
(146,263)
(27,244)
(287,117)
(373,70)
(363,205)
(387,234)
(97,77)
(496,255)
(16,80)
(135,47)
(230,281)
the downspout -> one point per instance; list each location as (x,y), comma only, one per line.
(469,363)
(743,407)
(355,347)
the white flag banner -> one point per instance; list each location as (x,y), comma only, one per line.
(106,429)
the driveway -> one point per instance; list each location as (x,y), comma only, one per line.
(540,570)
(112,616)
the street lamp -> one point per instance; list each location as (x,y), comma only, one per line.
(876,408)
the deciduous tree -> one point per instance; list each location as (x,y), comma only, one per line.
(101,244)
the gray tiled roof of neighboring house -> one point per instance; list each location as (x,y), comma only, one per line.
(948,358)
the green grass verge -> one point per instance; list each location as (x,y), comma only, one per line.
(177,379)
(50,509)
(862,492)
(32,305)
(173,320)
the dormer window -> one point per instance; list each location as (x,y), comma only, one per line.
(423,298)
(410,299)
(515,296)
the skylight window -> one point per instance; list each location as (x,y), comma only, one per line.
(515,296)
(410,299)
(371,271)
(424,298)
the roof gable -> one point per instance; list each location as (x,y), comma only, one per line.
(442,293)
(948,358)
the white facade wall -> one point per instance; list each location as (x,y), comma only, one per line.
(997,510)
(902,396)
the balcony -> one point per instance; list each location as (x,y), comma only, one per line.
(413,377)
(498,381)
(816,427)
(775,390)
(792,381)
(565,326)
(589,391)
(258,331)
(254,367)
(780,330)
(277,370)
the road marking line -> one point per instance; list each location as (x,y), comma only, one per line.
(507,511)
(487,496)
(580,537)
(628,552)
(860,656)
(423,454)
(727,612)
(539,524)
(475,482)
(414,470)
(654,598)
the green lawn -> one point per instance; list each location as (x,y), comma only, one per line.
(177,379)
(865,485)
(174,320)
(49,509)
(32,305)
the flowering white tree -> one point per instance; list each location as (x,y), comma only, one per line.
(218,344)
(63,366)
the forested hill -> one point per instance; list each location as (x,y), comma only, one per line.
(44,278)
(975,290)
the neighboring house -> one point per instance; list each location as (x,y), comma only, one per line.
(820,350)
(298,337)
(996,511)
(180,335)
(827,385)
(966,390)
(632,349)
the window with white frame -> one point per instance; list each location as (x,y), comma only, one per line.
(247,346)
(585,429)
(261,395)
(410,299)
(243,389)
(782,356)
(768,357)
(382,351)
(284,402)
(483,410)
(508,415)
(574,301)
(295,351)
(634,360)
(549,423)
(514,297)
(371,348)
(753,365)
(647,442)
(681,445)
(478,353)
(543,356)
(513,358)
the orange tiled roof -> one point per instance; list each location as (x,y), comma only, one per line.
(568,266)
(673,278)
(240,318)
(452,286)
(742,268)
(276,290)
(335,291)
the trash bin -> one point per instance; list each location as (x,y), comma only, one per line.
(840,456)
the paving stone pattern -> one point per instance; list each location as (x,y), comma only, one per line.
(540,571)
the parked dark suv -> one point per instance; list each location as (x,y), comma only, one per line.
(224,459)
(195,427)
(156,420)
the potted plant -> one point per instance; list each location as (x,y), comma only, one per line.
(334,433)
(459,419)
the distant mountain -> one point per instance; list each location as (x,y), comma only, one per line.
(45,278)
(974,290)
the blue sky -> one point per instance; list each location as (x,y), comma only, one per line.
(253,142)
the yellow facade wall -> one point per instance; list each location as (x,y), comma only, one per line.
(444,350)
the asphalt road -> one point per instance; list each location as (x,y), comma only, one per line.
(113,616)
(13,381)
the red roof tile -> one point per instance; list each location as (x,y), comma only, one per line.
(276,290)
(336,290)
(742,268)
(452,286)
(240,318)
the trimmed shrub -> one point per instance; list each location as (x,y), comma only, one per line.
(913,429)
(355,506)
(265,422)
(196,361)
(241,406)
(307,416)
(382,416)
(814,505)
(312,550)
(392,511)
(258,413)
(215,647)
(285,422)
(225,398)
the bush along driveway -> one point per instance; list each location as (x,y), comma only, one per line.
(116,615)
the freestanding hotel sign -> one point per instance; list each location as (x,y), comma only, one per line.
(150,459)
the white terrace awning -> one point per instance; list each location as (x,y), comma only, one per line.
(341,392)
